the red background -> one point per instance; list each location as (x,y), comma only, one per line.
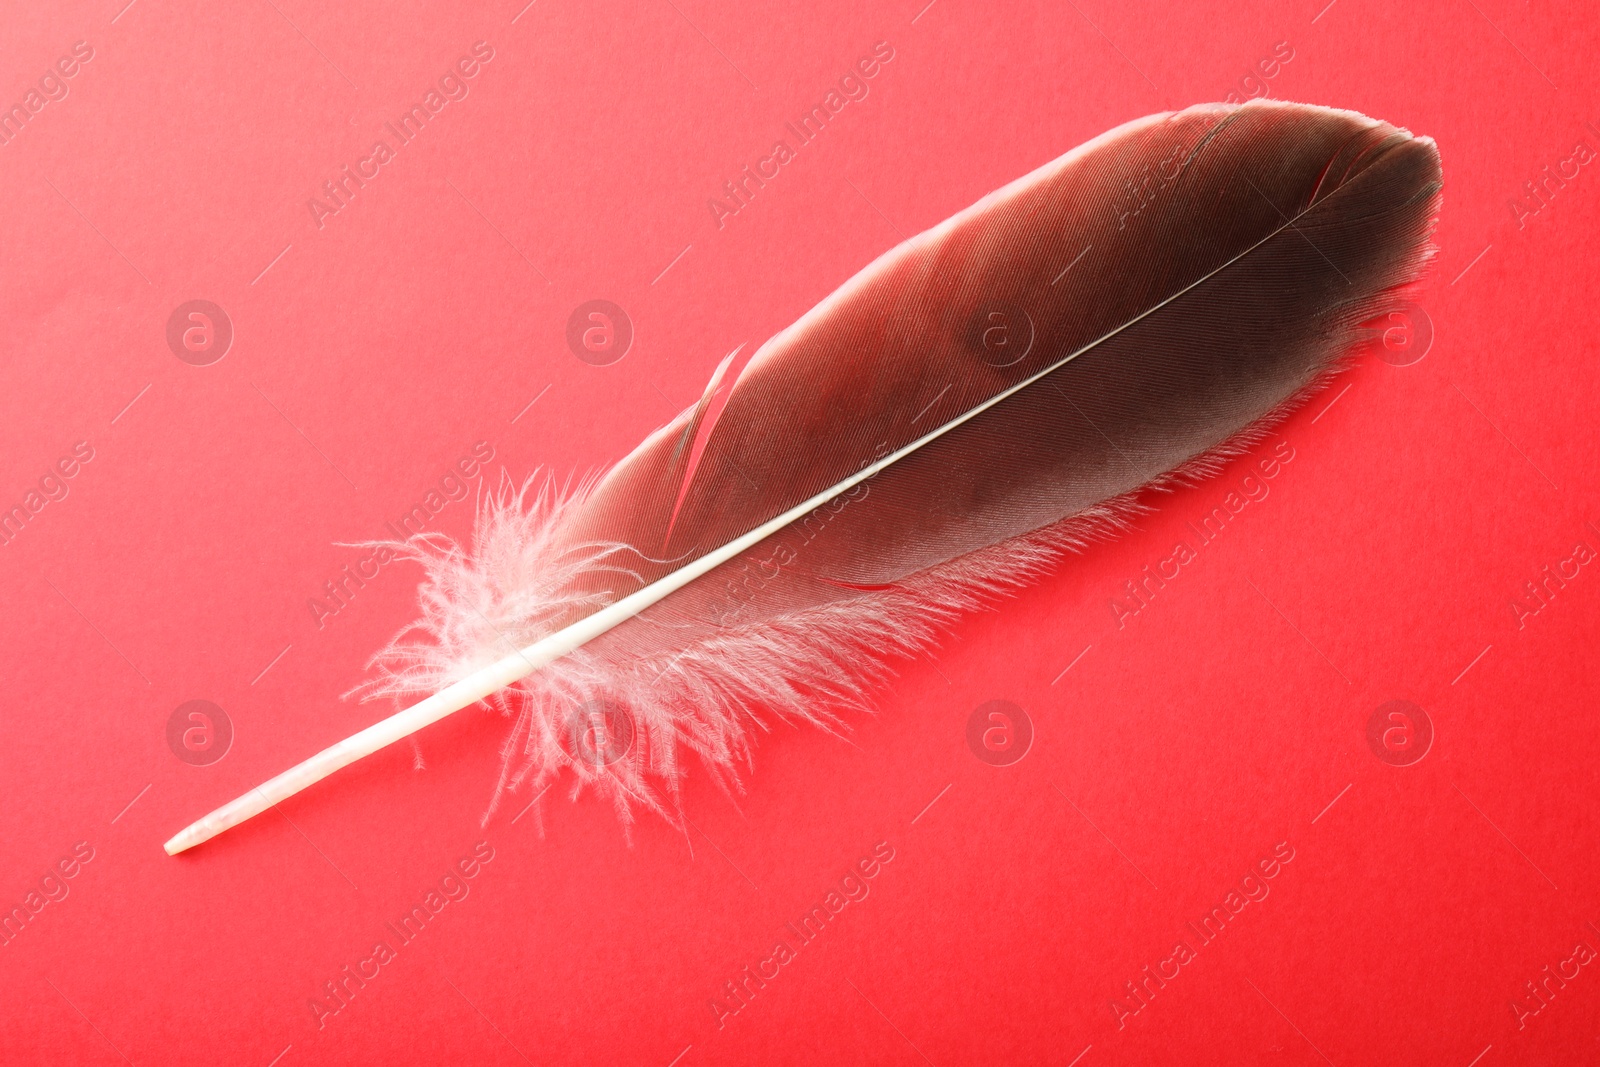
(372,353)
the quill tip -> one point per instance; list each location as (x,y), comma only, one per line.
(182,841)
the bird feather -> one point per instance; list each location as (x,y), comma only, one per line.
(1118,321)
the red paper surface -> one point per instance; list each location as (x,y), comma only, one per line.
(1178,752)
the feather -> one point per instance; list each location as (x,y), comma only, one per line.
(984,397)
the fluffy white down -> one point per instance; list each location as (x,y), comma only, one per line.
(504,592)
